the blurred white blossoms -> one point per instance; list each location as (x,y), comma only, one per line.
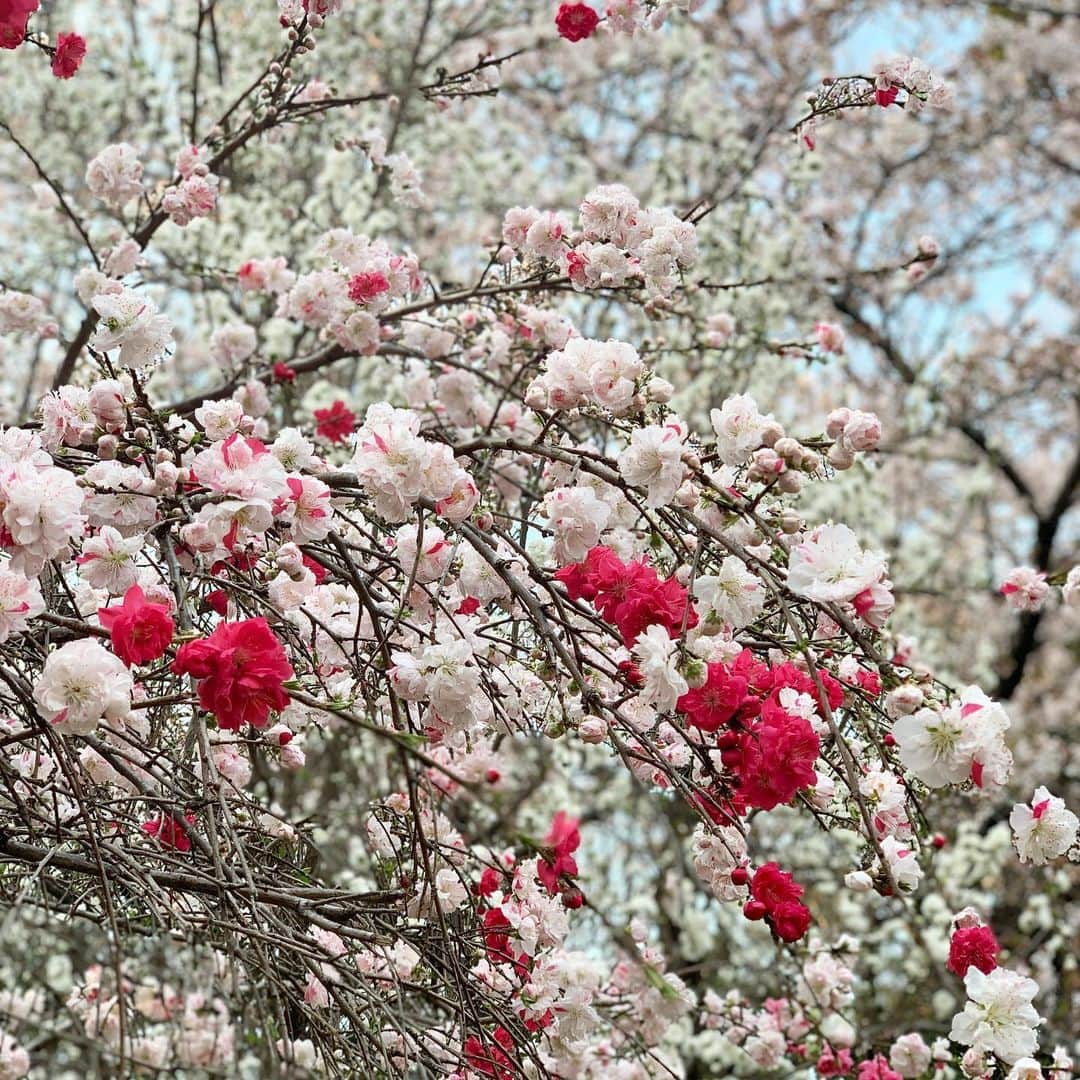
(1045,829)
(132,322)
(998,1017)
(830,566)
(81,684)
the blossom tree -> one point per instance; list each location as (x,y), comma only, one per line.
(464,527)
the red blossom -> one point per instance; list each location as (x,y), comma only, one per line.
(973,946)
(13,17)
(241,667)
(778,758)
(630,595)
(283,373)
(490,1056)
(716,702)
(790,920)
(575,22)
(773,886)
(68,58)
(168,832)
(887,96)
(562,840)
(140,631)
(366,286)
(335,424)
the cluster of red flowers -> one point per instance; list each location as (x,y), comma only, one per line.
(556,862)
(775,896)
(335,424)
(630,595)
(70,48)
(770,752)
(575,22)
(973,946)
(140,631)
(241,668)
(491,1057)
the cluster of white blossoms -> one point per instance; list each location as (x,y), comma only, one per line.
(41,505)
(715,853)
(586,372)
(830,565)
(195,196)
(999,1017)
(618,242)
(82,684)
(345,299)
(397,467)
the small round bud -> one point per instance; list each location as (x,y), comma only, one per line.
(754,910)
(790,522)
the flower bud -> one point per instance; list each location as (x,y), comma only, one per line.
(659,390)
(790,521)
(790,482)
(592,730)
(841,457)
(836,422)
(859,881)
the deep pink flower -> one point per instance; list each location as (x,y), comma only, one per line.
(773,886)
(366,286)
(241,667)
(140,631)
(13,17)
(70,50)
(168,832)
(715,703)
(561,842)
(973,946)
(790,920)
(575,22)
(778,757)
